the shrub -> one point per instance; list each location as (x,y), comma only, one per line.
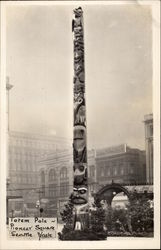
(85,235)
(95,229)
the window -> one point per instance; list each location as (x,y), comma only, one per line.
(115,171)
(14,179)
(102,171)
(21,166)
(24,179)
(29,179)
(131,170)
(63,173)
(151,130)
(122,171)
(19,179)
(64,189)
(18,205)
(42,177)
(108,172)
(52,190)
(52,175)
(92,171)
(18,165)
(42,191)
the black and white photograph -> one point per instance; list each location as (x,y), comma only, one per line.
(80,125)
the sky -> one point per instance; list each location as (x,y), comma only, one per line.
(118,71)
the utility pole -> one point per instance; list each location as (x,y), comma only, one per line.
(80,189)
(8,88)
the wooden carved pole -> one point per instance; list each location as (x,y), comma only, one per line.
(80,187)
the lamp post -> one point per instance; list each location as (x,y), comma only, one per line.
(38,203)
(7,200)
(8,88)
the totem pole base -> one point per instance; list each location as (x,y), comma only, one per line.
(78,226)
(81,221)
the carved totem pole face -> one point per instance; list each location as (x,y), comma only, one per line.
(80,174)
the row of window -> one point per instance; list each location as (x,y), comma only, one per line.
(127,162)
(92,171)
(23,167)
(53,175)
(115,171)
(20,157)
(24,179)
(30,143)
(63,174)
(22,152)
(62,191)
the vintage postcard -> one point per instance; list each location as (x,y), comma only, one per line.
(80,125)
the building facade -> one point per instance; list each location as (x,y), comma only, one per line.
(25,150)
(55,180)
(148,122)
(120,164)
(92,171)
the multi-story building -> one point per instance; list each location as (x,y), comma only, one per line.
(148,121)
(120,164)
(24,152)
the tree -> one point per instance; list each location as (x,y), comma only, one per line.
(67,218)
(141,212)
(97,217)
(117,221)
(134,220)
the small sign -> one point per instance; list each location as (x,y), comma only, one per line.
(33,228)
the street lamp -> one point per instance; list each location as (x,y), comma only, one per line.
(38,203)
(7,205)
(8,88)
(38,206)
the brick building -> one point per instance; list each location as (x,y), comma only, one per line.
(121,164)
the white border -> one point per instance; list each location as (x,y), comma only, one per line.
(156,115)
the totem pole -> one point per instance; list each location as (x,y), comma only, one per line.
(80,187)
